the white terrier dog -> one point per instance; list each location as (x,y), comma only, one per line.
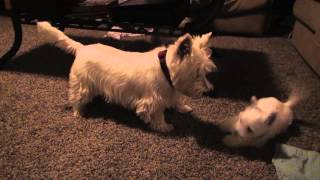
(262,120)
(147,82)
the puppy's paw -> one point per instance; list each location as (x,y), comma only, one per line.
(162,127)
(79,113)
(184,109)
(231,141)
(76,114)
(228,125)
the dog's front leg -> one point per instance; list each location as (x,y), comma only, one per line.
(179,104)
(158,122)
(154,118)
(228,125)
(236,141)
(183,108)
(233,141)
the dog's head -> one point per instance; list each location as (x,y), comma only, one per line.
(263,119)
(189,63)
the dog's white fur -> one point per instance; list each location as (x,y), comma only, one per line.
(262,120)
(134,79)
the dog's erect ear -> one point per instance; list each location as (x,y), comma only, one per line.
(184,46)
(271,119)
(205,39)
(253,99)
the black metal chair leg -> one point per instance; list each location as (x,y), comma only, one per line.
(17,37)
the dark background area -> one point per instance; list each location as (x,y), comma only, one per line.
(40,138)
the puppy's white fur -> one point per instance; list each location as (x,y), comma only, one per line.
(134,79)
(262,120)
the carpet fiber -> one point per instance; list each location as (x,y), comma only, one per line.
(39,137)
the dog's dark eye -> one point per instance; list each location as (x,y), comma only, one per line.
(271,119)
(249,130)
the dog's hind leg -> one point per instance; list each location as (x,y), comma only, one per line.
(79,95)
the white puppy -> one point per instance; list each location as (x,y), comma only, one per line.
(262,120)
(147,82)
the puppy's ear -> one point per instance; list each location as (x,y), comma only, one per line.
(253,99)
(205,39)
(271,119)
(184,46)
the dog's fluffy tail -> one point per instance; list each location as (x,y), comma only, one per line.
(52,35)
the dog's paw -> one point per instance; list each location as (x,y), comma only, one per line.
(166,128)
(76,114)
(184,109)
(231,141)
(79,114)
(163,127)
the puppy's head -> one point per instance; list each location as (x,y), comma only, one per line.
(263,119)
(189,63)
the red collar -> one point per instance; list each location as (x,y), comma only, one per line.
(164,67)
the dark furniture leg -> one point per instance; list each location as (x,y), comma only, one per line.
(17,37)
